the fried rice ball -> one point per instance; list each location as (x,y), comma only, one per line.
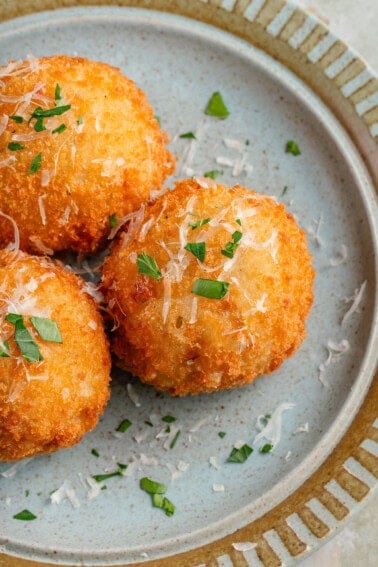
(51,393)
(79,148)
(211,291)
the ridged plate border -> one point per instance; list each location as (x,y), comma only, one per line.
(349,87)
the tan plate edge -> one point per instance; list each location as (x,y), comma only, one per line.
(350,89)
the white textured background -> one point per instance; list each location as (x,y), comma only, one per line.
(356,22)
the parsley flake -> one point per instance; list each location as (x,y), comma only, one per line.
(79,120)
(240,455)
(292,148)
(266,448)
(39,126)
(47,329)
(151,486)
(36,163)
(58,92)
(162,502)
(149,423)
(284,190)
(214,173)
(59,129)
(198,223)
(148,266)
(4,353)
(25,515)
(56,111)
(198,249)
(174,440)
(16,118)
(124,425)
(113,220)
(212,289)
(169,418)
(95,453)
(24,340)
(14,146)
(216,106)
(221,434)
(188,135)
(229,249)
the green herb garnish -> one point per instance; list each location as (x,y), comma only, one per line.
(151,486)
(174,440)
(148,423)
(216,106)
(189,135)
(168,429)
(162,502)
(157,118)
(238,221)
(212,289)
(39,126)
(221,434)
(25,515)
(113,220)
(56,111)
(124,425)
(247,142)
(27,492)
(284,190)
(14,146)
(292,148)
(35,163)
(16,118)
(95,453)
(5,353)
(213,174)
(198,223)
(24,340)
(58,92)
(47,329)
(79,120)
(60,129)
(266,448)
(169,418)
(198,249)
(102,477)
(229,249)
(240,455)
(147,266)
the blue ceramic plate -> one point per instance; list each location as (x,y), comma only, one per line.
(179,63)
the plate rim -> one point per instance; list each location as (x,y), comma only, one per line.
(356,85)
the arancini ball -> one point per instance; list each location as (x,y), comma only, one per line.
(210,291)
(80,148)
(54,357)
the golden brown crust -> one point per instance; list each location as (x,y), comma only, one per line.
(47,405)
(223,343)
(107,165)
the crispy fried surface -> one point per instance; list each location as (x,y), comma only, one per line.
(183,343)
(107,161)
(47,405)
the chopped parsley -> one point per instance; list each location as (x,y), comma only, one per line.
(284,190)
(95,453)
(221,434)
(198,249)
(113,220)
(240,455)
(47,329)
(214,173)
(102,477)
(36,163)
(59,129)
(157,118)
(24,340)
(266,448)
(56,111)
(5,353)
(149,423)
(58,92)
(238,221)
(174,440)
(212,289)
(27,492)
(79,120)
(229,249)
(151,486)
(188,135)
(16,118)
(199,223)
(292,148)
(216,106)
(157,490)
(25,515)
(14,146)
(247,142)
(39,126)
(169,418)
(124,425)
(168,429)
(148,266)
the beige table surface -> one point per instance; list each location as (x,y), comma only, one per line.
(356,22)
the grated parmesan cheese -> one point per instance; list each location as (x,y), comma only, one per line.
(356,300)
(41,206)
(133,395)
(16,244)
(335,350)
(272,430)
(218,487)
(65,491)
(340,258)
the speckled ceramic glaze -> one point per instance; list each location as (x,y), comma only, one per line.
(278,505)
